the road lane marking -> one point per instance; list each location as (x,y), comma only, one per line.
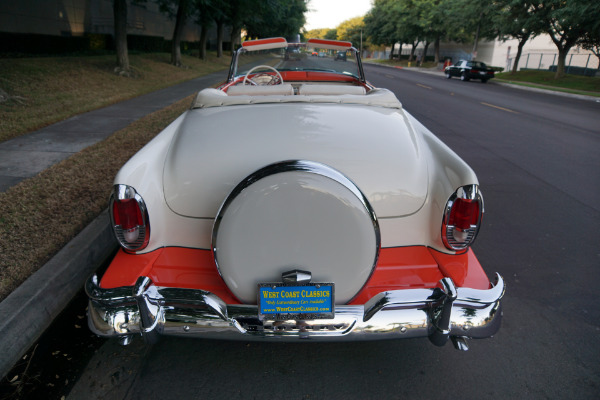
(423,86)
(499,108)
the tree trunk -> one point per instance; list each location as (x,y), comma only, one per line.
(120,14)
(427,43)
(234,38)
(519,51)
(392,52)
(220,38)
(562,57)
(203,38)
(597,54)
(179,25)
(412,51)
(474,52)
(436,50)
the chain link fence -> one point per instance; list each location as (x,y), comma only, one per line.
(577,64)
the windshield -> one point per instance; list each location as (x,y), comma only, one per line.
(299,57)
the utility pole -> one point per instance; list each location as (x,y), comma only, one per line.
(360,48)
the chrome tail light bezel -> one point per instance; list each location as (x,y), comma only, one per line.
(470,193)
(123,193)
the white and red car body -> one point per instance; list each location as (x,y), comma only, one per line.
(318,178)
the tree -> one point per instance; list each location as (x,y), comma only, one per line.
(381,24)
(568,22)
(409,29)
(591,42)
(331,34)
(435,23)
(316,33)
(276,18)
(204,18)
(236,12)
(181,10)
(351,30)
(517,19)
(120,15)
(220,16)
(473,21)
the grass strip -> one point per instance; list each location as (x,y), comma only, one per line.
(545,80)
(552,88)
(36,92)
(42,214)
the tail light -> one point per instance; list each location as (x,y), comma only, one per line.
(129,218)
(462,218)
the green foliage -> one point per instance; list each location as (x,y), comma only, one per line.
(351,30)
(270,18)
(331,34)
(410,21)
(568,23)
(316,33)
(517,19)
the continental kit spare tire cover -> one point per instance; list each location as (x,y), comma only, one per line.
(296,215)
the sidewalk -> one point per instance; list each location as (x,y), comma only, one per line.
(28,155)
(28,311)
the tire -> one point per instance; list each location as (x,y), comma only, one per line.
(448,76)
(464,77)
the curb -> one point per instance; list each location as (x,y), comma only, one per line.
(548,91)
(29,310)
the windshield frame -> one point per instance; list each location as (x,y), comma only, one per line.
(233,67)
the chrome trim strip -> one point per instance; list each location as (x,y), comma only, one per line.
(292,166)
(151,311)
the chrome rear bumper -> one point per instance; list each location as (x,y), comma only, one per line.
(439,314)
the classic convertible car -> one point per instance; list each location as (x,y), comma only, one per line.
(296,202)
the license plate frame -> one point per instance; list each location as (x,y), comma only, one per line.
(296,301)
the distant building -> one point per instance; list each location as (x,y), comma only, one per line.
(75,18)
(538,53)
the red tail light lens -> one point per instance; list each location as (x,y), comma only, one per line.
(462,218)
(464,214)
(130,218)
(127,213)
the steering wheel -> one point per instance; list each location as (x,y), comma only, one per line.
(276,79)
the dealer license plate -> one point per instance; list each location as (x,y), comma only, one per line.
(280,301)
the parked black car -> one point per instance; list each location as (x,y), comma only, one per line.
(340,55)
(470,70)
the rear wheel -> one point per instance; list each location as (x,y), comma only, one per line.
(464,77)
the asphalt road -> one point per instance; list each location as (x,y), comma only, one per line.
(536,156)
